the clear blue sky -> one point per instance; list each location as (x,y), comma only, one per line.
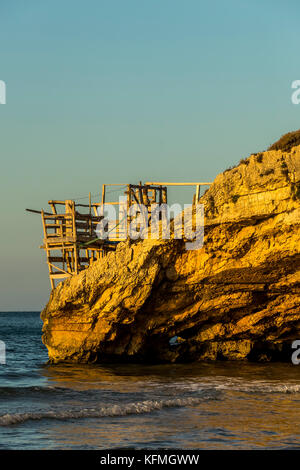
(128,90)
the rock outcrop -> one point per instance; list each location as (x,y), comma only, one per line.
(238,297)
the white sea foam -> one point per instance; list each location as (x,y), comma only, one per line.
(148,406)
(239,385)
(111,410)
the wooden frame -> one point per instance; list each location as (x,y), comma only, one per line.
(70,232)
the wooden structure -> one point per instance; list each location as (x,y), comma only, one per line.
(70,239)
(197,195)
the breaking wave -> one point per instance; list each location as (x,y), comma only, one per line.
(113,410)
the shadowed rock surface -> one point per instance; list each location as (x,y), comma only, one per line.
(238,297)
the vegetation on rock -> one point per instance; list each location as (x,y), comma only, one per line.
(287,141)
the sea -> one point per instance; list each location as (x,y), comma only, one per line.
(220,405)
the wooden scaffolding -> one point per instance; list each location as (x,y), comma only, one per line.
(70,238)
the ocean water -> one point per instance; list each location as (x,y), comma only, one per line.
(193,406)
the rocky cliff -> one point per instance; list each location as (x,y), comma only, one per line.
(238,297)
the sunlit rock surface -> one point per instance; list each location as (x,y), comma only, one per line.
(238,297)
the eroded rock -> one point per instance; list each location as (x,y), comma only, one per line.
(238,297)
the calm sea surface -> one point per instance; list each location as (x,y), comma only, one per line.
(194,406)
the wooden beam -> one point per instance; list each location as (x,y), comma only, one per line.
(176,184)
(103,194)
(56,267)
(197,193)
(88,205)
(53,208)
(59,276)
(60,259)
(56,202)
(38,212)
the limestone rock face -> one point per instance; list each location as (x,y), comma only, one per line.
(238,297)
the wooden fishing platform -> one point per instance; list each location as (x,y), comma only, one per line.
(70,229)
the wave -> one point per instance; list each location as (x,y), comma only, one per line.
(112,410)
(215,384)
(264,388)
(256,386)
(21,391)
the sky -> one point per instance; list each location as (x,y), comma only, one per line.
(122,91)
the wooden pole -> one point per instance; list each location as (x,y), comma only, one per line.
(90,213)
(103,194)
(128,206)
(197,193)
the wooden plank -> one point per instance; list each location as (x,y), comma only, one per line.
(147,186)
(56,202)
(111,203)
(57,216)
(61,259)
(87,205)
(59,240)
(59,275)
(177,184)
(57,246)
